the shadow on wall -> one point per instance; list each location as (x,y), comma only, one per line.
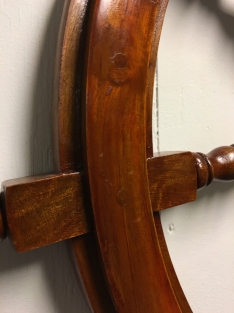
(214,6)
(51,264)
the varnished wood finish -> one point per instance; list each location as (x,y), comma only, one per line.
(216,165)
(172,179)
(43,209)
(162,5)
(55,204)
(172,277)
(116,85)
(125,186)
(67,123)
(90,270)
(174,282)
(67,138)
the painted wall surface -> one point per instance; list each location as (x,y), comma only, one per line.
(42,280)
(194,102)
(196,109)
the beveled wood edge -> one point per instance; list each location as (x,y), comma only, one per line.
(75,18)
(61,197)
(49,207)
(178,294)
(151,75)
(42,202)
(67,87)
(78,248)
(56,87)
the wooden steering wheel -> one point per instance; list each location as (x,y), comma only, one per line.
(108,187)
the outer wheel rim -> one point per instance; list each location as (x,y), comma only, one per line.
(101,302)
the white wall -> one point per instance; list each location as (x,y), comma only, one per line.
(195,102)
(196,109)
(42,280)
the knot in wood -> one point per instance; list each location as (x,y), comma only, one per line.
(119,71)
(122,197)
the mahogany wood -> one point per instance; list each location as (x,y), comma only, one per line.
(116,85)
(55,204)
(216,165)
(162,5)
(175,285)
(116,80)
(86,254)
(67,87)
(67,137)
(41,210)
(172,179)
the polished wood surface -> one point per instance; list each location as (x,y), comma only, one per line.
(216,165)
(67,87)
(90,270)
(116,85)
(172,179)
(67,139)
(41,210)
(55,204)
(162,6)
(103,102)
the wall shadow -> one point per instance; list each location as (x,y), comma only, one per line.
(225,19)
(53,261)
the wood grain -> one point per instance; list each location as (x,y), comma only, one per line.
(55,204)
(216,165)
(172,179)
(87,258)
(116,86)
(41,210)
(67,88)
(125,186)
(67,137)
(162,6)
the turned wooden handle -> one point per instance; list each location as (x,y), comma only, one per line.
(216,165)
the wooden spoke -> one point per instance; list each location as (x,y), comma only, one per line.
(108,187)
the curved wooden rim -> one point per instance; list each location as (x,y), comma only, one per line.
(164,283)
(67,139)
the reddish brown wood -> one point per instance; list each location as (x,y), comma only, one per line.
(172,179)
(67,87)
(216,165)
(162,5)
(86,255)
(55,205)
(67,138)
(115,136)
(123,183)
(172,277)
(41,210)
